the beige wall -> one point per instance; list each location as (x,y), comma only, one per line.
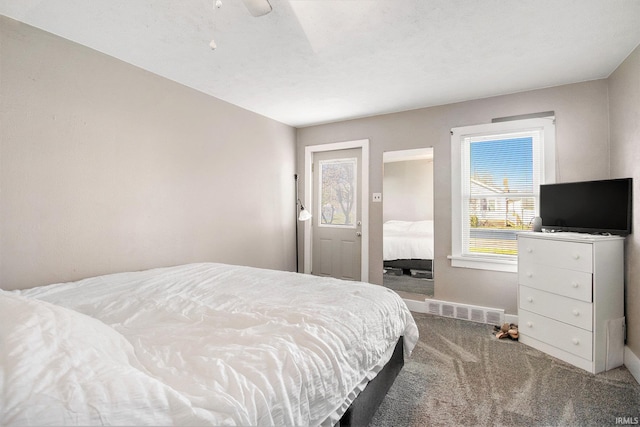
(408,190)
(624,116)
(105,167)
(582,136)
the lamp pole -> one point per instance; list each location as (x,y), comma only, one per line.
(296,218)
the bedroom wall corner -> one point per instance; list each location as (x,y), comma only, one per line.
(624,127)
(105,167)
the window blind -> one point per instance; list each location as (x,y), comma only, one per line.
(501,177)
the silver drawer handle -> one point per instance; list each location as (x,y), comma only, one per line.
(574,284)
(576,256)
(529,324)
(530,299)
(576,312)
(575,341)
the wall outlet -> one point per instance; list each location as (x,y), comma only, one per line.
(377,197)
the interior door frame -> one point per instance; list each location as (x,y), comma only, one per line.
(364,195)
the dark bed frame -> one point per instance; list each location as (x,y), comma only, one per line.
(406,265)
(362,409)
(410,264)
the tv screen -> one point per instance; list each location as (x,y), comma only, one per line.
(588,207)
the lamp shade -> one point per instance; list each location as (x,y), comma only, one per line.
(304,215)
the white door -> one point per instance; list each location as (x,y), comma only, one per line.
(337,216)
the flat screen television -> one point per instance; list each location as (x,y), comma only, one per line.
(598,207)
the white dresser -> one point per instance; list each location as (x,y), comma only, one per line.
(571,297)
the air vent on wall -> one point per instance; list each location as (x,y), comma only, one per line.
(492,316)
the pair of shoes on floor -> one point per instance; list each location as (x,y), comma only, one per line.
(507,330)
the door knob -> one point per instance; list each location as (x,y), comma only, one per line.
(358,233)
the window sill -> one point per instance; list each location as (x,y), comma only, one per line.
(484,263)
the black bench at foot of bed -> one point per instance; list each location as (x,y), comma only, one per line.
(363,408)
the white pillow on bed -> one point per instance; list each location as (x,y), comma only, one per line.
(61,367)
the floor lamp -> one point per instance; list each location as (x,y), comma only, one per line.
(304,215)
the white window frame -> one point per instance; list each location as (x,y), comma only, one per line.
(459,158)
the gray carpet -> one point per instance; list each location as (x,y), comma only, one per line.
(406,283)
(461,375)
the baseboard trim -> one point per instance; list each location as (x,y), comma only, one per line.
(632,362)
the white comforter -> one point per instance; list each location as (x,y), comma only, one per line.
(407,240)
(201,344)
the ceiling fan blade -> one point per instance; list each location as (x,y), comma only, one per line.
(258,7)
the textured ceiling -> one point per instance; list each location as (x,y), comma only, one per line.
(318,61)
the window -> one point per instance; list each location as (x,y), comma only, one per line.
(337,205)
(497,170)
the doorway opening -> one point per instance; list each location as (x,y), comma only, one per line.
(408,243)
(337,207)
(362,224)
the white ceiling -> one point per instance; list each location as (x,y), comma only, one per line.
(318,61)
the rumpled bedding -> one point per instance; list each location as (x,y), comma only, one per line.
(198,344)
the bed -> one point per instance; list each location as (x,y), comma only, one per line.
(408,245)
(200,344)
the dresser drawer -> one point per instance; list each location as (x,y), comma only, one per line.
(557,334)
(570,283)
(568,255)
(568,310)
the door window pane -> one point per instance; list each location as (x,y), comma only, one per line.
(338,196)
